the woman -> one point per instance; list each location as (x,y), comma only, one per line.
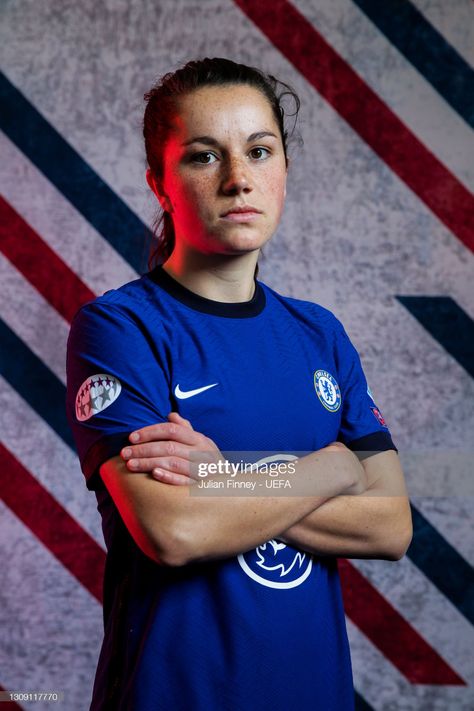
(225,602)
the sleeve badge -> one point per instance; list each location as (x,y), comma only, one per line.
(96,394)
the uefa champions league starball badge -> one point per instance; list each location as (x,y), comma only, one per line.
(96,394)
(327,390)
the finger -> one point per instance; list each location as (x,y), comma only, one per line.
(176,417)
(164,430)
(155,449)
(167,477)
(171,464)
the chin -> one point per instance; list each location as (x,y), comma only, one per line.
(244,242)
(244,246)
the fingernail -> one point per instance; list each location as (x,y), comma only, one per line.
(158,472)
(127,452)
(132,463)
(134,437)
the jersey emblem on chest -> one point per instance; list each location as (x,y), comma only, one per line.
(276,565)
(327,390)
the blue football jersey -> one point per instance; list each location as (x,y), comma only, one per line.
(264,630)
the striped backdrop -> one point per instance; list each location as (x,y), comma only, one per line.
(378,227)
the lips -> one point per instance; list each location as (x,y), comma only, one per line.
(241,209)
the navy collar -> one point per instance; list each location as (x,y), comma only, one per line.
(239,309)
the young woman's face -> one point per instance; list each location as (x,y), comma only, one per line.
(225,153)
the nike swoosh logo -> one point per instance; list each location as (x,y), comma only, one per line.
(183,394)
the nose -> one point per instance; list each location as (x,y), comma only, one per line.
(236,178)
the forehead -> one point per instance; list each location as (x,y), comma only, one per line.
(222,110)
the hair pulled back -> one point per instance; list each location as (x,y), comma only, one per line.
(162,107)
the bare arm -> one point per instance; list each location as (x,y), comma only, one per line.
(374,524)
(174,528)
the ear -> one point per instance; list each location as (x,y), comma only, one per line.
(156,187)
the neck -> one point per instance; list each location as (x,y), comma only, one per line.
(220,277)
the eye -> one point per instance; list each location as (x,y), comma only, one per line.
(259,153)
(205,158)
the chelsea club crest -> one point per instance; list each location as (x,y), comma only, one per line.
(327,390)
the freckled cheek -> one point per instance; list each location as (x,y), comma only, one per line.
(274,186)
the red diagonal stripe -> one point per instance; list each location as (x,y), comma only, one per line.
(54,527)
(391,633)
(43,268)
(366,113)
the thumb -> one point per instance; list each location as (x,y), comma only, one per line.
(176,417)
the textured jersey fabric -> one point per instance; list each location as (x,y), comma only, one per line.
(264,630)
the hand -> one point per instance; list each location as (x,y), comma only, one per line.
(361,481)
(165,450)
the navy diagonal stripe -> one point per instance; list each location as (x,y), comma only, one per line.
(442,565)
(36,384)
(424,47)
(72,176)
(447,323)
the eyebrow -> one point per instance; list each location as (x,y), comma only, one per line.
(209,141)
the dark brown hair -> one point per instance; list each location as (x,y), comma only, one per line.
(162,107)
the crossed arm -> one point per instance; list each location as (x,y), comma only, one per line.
(352,509)
(373,524)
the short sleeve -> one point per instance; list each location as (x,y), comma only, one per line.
(363,427)
(115,383)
